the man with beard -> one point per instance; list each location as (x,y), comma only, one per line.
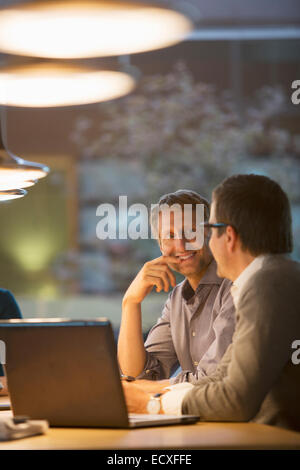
(197,321)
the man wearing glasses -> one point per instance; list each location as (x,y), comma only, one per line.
(197,321)
(256,380)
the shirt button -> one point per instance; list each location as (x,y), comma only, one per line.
(196,363)
(147,371)
(193,333)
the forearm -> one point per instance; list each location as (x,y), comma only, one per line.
(187,376)
(200,376)
(153,386)
(131,350)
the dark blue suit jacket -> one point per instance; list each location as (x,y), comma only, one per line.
(8,309)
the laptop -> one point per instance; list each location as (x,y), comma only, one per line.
(66,371)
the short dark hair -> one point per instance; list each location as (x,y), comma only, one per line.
(185,196)
(259,210)
(180,197)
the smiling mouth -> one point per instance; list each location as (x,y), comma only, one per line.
(184,258)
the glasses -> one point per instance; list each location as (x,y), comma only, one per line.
(188,234)
(216,225)
(209,226)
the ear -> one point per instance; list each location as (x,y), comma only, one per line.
(232,240)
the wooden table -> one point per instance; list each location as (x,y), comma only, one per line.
(194,436)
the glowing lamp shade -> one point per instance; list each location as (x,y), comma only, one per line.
(78,29)
(16,173)
(8,185)
(13,194)
(47,85)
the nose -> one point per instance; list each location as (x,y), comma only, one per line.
(179,245)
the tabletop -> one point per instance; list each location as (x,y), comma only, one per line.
(193,436)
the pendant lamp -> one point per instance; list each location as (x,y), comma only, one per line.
(15,172)
(72,29)
(52,84)
(21,185)
(12,194)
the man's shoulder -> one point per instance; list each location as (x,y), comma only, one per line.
(278,278)
(8,305)
(277,267)
(4,295)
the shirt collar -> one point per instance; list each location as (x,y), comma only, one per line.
(244,277)
(210,277)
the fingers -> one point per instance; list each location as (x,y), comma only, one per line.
(162,278)
(157,273)
(164,274)
(165,269)
(160,271)
(170,259)
(161,265)
(165,259)
(155,281)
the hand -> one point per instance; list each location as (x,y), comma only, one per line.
(153,273)
(152,386)
(136,397)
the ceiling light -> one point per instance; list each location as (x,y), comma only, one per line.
(6,185)
(15,172)
(78,29)
(12,194)
(48,84)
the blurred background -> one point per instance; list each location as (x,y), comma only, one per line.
(217,104)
